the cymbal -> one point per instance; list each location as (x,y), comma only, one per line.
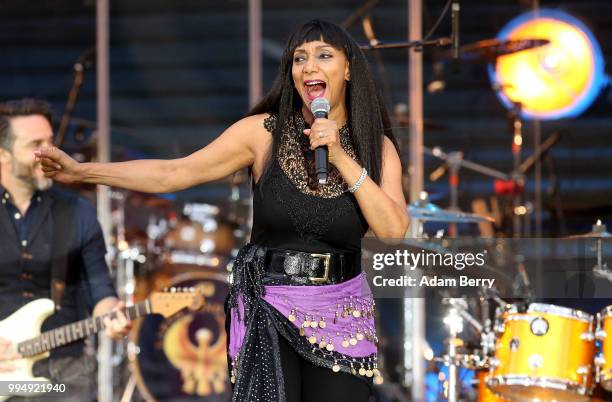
(592,235)
(599,232)
(489,49)
(427,211)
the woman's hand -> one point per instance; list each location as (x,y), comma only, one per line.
(325,132)
(57,165)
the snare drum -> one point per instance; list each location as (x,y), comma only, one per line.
(545,354)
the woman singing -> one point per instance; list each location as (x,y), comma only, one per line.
(301,323)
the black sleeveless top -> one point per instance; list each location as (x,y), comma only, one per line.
(292,211)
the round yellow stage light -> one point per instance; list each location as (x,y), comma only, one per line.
(560,79)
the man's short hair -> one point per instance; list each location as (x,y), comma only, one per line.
(19,108)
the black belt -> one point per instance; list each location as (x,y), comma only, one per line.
(297,267)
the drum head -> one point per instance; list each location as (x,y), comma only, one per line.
(184,357)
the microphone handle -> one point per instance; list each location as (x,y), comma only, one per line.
(321,163)
(321,155)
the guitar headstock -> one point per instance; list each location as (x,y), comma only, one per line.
(173,300)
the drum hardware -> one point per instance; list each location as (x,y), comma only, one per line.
(453,359)
(126,255)
(511,184)
(599,361)
(603,367)
(460,307)
(457,157)
(522,285)
(484,392)
(587,337)
(454,161)
(454,321)
(598,233)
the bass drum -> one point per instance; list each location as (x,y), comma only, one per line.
(184,357)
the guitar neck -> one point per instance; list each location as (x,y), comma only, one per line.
(77,330)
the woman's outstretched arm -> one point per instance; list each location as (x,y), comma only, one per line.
(233,150)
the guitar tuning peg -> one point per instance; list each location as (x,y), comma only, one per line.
(192,289)
(165,289)
(173,289)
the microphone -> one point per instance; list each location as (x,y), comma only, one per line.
(320,109)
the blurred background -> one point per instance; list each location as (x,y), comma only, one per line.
(179,75)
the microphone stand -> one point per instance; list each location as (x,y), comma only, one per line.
(84,62)
(418,44)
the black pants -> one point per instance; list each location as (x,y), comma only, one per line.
(305,382)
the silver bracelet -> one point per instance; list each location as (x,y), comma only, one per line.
(360,180)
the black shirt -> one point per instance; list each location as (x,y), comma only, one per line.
(25,259)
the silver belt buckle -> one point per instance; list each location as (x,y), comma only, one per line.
(325,257)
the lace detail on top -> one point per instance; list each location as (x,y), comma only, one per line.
(296,159)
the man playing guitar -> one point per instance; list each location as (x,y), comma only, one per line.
(51,246)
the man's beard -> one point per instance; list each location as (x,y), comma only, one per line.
(25,174)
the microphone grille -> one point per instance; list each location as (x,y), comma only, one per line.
(319,105)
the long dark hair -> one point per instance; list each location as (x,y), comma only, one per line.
(367,116)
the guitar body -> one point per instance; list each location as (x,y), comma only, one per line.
(22,328)
(24,324)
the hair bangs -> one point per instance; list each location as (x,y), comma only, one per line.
(317,30)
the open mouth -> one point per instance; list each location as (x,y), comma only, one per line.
(314,89)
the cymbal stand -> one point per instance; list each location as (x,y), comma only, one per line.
(125,280)
(517,176)
(454,321)
(601,268)
(487,336)
(461,162)
(454,164)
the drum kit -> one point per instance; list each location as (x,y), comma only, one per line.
(537,352)
(531,351)
(526,351)
(155,247)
